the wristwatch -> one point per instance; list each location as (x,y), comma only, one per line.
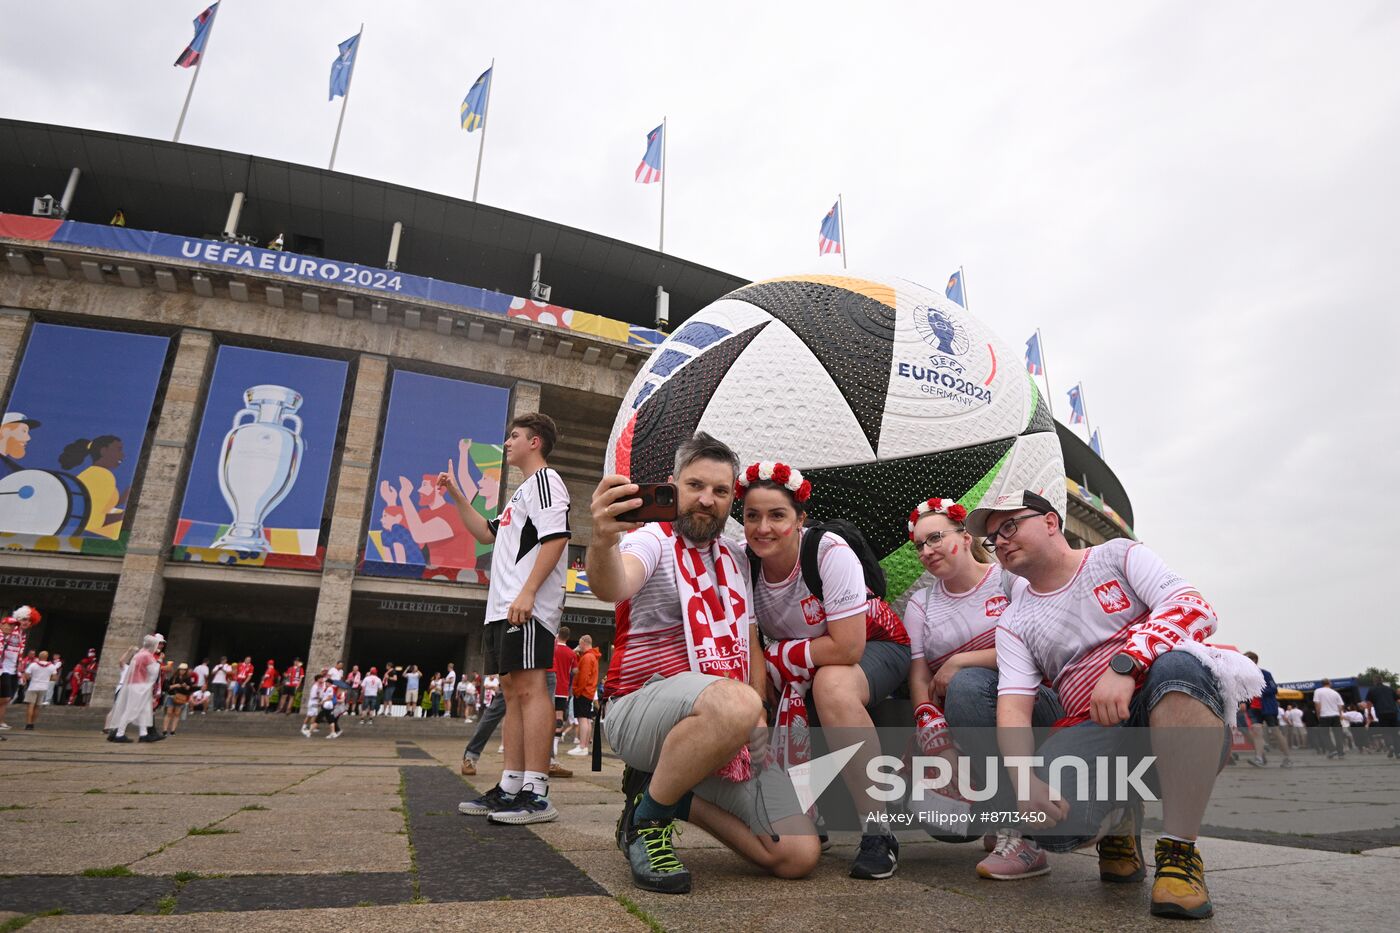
(1125,664)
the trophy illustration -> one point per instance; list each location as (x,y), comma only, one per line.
(258,463)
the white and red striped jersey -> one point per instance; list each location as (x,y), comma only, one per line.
(11,650)
(650,637)
(788,609)
(1066,638)
(942,624)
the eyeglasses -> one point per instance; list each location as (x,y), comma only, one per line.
(1007,530)
(934,538)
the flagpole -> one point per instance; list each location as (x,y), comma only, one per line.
(345,100)
(1084,404)
(841,221)
(661,246)
(485,112)
(1044,364)
(180,125)
(967,305)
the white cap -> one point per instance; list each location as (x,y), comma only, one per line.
(16,417)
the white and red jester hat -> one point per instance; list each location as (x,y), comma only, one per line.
(27,616)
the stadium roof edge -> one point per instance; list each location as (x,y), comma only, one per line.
(183,189)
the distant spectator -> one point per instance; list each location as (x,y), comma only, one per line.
(1328,703)
(177,697)
(219,682)
(1382,698)
(38,677)
(370,686)
(411,677)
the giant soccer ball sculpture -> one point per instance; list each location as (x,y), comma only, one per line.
(880,391)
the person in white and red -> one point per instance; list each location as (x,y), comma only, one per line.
(1329,706)
(1117,636)
(685,686)
(38,677)
(12,641)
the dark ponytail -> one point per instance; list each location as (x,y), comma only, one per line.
(75,453)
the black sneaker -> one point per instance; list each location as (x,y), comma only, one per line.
(652,858)
(634,784)
(878,857)
(117,738)
(151,737)
(528,807)
(488,803)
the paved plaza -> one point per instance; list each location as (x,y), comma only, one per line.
(302,834)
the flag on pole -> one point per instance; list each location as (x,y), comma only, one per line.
(1034,365)
(829,240)
(650,168)
(1076,406)
(1095,443)
(343,65)
(190,56)
(474,104)
(955,288)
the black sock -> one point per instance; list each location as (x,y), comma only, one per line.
(648,810)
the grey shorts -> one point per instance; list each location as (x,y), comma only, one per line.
(637,724)
(885,666)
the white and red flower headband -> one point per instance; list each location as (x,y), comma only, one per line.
(936,506)
(790,478)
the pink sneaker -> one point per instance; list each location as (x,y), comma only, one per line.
(1014,858)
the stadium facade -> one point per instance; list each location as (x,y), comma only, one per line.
(229,443)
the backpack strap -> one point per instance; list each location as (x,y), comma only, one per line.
(811,572)
(755,568)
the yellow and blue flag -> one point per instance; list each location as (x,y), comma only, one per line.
(954,290)
(343,67)
(474,104)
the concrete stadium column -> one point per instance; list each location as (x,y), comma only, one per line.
(524,398)
(141,586)
(13,324)
(330,633)
(183,639)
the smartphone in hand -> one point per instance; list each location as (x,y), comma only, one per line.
(659,504)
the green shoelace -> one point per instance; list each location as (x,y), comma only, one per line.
(661,855)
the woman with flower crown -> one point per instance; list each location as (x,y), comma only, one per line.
(841,652)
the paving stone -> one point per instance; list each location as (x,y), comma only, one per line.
(294,892)
(29,894)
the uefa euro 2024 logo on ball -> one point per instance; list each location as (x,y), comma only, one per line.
(939,332)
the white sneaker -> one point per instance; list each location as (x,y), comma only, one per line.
(306,732)
(500,749)
(4,726)
(333,735)
(578,751)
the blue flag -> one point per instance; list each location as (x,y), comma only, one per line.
(1034,365)
(1076,406)
(955,289)
(203,23)
(1095,443)
(343,67)
(649,169)
(474,104)
(829,240)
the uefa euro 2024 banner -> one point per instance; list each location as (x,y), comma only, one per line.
(72,435)
(257,485)
(433,425)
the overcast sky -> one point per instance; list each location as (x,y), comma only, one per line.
(1196,204)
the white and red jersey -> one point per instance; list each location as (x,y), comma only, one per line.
(1066,638)
(650,635)
(11,650)
(788,609)
(942,624)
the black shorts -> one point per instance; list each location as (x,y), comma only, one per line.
(1257,717)
(583,708)
(561,704)
(8,684)
(511,648)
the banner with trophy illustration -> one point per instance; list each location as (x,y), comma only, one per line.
(256,491)
(72,435)
(433,425)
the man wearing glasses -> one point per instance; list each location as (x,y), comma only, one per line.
(1093,641)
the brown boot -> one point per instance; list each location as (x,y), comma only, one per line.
(468,767)
(558,771)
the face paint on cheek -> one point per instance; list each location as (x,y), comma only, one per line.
(955,549)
